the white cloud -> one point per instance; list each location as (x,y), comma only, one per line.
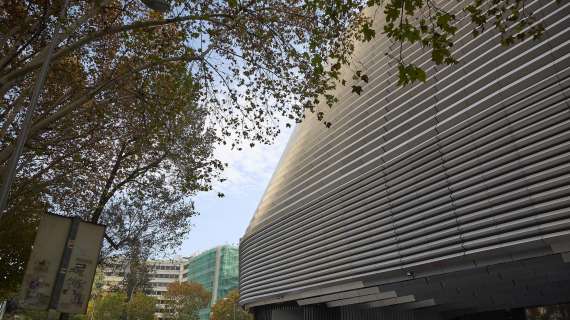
(224,220)
(250,168)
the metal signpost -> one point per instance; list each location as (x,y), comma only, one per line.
(61,268)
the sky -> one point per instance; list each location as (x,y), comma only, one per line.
(224,220)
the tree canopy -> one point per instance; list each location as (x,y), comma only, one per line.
(228,308)
(135,101)
(141,307)
(109,306)
(186,299)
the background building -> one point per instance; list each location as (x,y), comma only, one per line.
(161,273)
(215,269)
(443,199)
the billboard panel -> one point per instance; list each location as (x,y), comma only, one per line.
(43,265)
(61,268)
(78,279)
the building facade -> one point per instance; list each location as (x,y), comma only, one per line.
(445,199)
(215,269)
(161,273)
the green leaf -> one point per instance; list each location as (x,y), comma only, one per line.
(421,75)
(367,31)
(357,89)
(317,63)
(408,74)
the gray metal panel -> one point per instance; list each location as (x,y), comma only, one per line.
(339,296)
(362,299)
(391,302)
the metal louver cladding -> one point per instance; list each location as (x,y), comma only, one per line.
(466,174)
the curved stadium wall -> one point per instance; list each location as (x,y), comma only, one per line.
(467,173)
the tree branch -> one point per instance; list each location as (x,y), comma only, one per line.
(9,78)
(85,97)
(104,197)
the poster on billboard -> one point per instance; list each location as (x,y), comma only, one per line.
(62,265)
(78,279)
(43,264)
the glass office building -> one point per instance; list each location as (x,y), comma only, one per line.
(215,269)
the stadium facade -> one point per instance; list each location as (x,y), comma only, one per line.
(440,200)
